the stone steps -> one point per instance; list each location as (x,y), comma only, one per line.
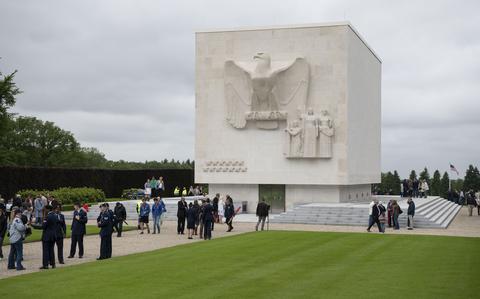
(431,212)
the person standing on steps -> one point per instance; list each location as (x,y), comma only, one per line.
(78,230)
(181,214)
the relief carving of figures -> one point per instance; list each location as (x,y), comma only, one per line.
(294,139)
(271,88)
(325,127)
(311,134)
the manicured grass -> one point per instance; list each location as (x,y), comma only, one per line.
(91,230)
(274,265)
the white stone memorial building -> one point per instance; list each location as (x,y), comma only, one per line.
(291,114)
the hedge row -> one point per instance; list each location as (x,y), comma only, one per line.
(67,195)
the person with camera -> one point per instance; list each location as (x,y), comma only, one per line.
(17,235)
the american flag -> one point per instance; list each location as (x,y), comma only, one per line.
(452,168)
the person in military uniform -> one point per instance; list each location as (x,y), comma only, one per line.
(49,226)
(60,234)
(105,222)
(78,230)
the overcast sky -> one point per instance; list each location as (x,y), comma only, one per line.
(120,74)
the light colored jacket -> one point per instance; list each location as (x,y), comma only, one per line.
(17,230)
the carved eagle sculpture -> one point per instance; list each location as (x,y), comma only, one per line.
(264,86)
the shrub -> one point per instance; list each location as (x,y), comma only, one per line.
(67,195)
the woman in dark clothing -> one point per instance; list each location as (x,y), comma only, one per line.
(196,206)
(396,213)
(191,217)
(229,213)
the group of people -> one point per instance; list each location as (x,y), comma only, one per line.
(192,191)
(414,188)
(17,222)
(154,187)
(201,217)
(157,210)
(381,215)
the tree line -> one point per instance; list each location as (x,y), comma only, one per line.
(30,142)
(439,184)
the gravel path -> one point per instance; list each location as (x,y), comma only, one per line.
(133,242)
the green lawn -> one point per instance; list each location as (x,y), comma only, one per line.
(274,265)
(91,230)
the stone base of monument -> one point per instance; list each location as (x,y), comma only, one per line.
(431,212)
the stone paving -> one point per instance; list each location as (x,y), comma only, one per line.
(132,242)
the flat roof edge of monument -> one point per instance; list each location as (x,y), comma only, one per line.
(294,26)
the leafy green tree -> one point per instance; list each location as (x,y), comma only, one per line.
(436,184)
(472,179)
(8,93)
(413,175)
(444,185)
(424,175)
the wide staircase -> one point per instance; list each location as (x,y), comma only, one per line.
(431,212)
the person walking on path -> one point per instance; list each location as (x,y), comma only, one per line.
(119,216)
(382,219)
(396,213)
(191,214)
(410,213)
(158,209)
(375,217)
(389,213)
(262,213)
(3,226)
(49,226)
(17,234)
(229,213)
(208,217)
(78,230)
(144,213)
(60,234)
(471,202)
(181,214)
(105,222)
(370,216)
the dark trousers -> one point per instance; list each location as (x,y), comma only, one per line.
(389,216)
(1,244)
(377,221)
(106,247)
(181,225)
(59,243)
(207,235)
(118,225)
(229,223)
(77,239)
(48,253)
(16,255)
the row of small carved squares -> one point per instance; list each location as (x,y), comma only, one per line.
(225,169)
(224,163)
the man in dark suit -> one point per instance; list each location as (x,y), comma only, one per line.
(105,222)
(60,234)
(207,220)
(181,214)
(49,227)
(78,230)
